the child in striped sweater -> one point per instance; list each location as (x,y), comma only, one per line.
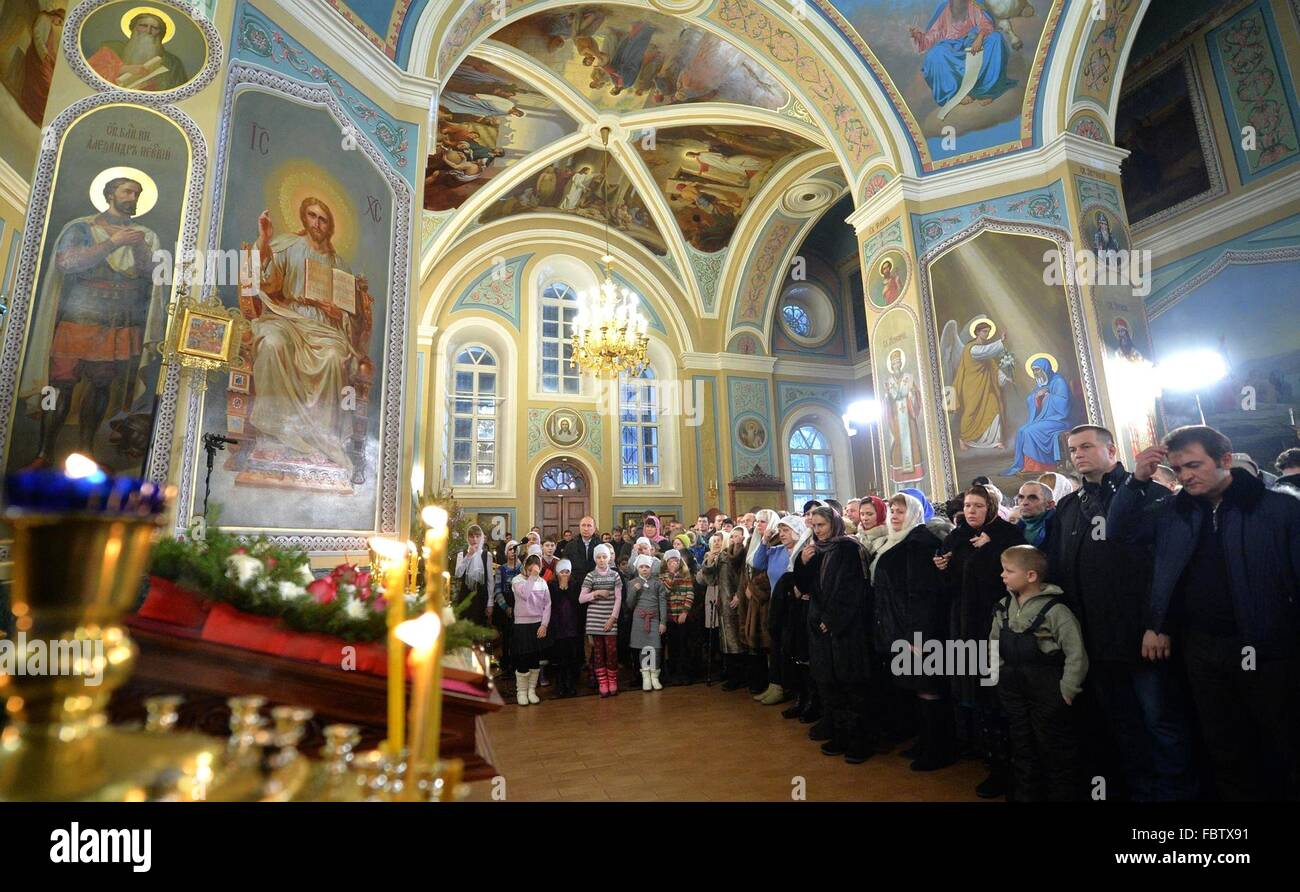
(680,583)
(602,592)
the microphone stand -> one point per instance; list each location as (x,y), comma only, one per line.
(211,443)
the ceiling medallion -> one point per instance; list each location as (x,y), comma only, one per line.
(808,198)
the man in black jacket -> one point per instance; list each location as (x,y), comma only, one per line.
(1226,581)
(1105,582)
(1288,465)
(580,552)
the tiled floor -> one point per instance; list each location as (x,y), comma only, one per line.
(690,743)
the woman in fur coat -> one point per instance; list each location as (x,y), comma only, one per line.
(971,562)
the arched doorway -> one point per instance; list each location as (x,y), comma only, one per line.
(563,497)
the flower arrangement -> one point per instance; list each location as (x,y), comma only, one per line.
(259,576)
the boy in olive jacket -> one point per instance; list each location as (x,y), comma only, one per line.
(1039,665)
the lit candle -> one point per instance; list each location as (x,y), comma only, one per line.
(392,557)
(412,566)
(435,554)
(425,636)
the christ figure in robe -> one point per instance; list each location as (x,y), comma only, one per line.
(958,29)
(978,391)
(302,348)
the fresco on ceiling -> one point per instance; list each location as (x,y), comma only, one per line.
(623,59)
(955,63)
(574,185)
(709,175)
(487,120)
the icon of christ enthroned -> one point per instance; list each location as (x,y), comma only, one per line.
(299,394)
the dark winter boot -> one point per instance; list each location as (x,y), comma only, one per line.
(733,666)
(755,673)
(795,709)
(997,784)
(858,743)
(823,728)
(996,740)
(813,712)
(937,749)
(838,743)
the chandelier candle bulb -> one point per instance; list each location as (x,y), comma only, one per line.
(392,557)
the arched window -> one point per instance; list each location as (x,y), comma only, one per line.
(474,415)
(638,404)
(811,466)
(559,308)
(558,477)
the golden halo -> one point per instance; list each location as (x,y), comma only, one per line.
(1029,363)
(880,267)
(169,27)
(974,323)
(148,189)
(299,179)
(889,360)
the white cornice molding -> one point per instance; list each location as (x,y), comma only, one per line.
(795,368)
(1015,169)
(728,362)
(344,38)
(1167,240)
(13,188)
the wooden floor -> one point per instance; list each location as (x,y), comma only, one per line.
(691,743)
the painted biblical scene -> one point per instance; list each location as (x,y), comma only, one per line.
(963,64)
(1010,376)
(575,185)
(303,396)
(151,48)
(1166,164)
(1242,314)
(487,120)
(91,364)
(896,357)
(709,175)
(30,32)
(625,59)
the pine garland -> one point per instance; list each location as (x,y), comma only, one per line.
(259,576)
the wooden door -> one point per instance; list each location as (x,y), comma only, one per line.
(562,499)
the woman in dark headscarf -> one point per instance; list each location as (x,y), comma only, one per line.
(971,562)
(837,636)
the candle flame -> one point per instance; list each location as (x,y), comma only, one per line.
(388,549)
(78,466)
(434,517)
(422,633)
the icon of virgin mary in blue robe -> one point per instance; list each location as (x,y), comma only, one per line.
(944,64)
(1038,442)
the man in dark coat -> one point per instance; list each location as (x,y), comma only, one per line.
(580,551)
(1288,465)
(1106,582)
(1226,582)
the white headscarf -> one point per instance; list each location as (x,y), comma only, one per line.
(801,532)
(756,540)
(1061,488)
(914,518)
(643,560)
(1002,509)
(474,563)
(603,548)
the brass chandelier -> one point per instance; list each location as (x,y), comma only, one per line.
(609,335)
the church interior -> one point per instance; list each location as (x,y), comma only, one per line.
(472,401)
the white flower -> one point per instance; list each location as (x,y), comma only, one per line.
(356,609)
(448,616)
(291,591)
(305,576)
(243,568)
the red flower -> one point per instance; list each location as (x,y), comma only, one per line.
(270,563)
(241,550)
(323,590)
(345,573)
(379,605)
(363,586)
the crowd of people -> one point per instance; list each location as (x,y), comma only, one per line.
(1119,634)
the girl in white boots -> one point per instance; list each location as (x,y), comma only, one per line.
(647,599)
(532,616)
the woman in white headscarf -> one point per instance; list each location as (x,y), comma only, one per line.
(788,618)
(1060,484)
(722,568)
(911,604)
(757,595)
(475,572)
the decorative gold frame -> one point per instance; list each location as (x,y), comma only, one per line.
(185,308)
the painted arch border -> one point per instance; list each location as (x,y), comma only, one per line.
(158,461)
(243,77)
(1061,239)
